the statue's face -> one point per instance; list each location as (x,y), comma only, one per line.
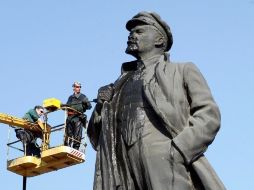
(141,39)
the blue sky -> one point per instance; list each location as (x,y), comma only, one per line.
(46,45)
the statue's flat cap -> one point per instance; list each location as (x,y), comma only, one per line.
(152,18)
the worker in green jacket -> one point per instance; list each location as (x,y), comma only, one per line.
(28,138)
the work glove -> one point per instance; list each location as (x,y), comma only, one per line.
(64,105)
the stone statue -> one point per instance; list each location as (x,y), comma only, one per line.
(151,127)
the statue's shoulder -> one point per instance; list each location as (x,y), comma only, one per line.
(177,69)
(180,66)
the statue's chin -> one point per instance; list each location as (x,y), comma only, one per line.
(132,50)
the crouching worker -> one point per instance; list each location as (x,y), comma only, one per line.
(28,138)
(78,103)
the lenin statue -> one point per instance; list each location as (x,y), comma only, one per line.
(151,127)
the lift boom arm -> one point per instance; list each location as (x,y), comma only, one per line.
(37,127)
(19,122)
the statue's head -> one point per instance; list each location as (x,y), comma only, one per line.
(148,33)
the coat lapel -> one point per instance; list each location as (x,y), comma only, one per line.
(159,89)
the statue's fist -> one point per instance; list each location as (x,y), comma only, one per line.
(105,93)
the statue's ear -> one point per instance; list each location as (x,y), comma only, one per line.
(159,42)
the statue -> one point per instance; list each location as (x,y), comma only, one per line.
(151,127)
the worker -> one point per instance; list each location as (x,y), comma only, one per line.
(76,118)
(28,138)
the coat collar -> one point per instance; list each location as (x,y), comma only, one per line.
(76,95)
(133,65)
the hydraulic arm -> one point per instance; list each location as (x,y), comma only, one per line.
(38,127)
(18,122)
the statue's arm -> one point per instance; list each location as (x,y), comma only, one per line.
(204,117)
(105,94)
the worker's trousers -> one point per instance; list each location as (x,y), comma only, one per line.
(29,142)
(74,127)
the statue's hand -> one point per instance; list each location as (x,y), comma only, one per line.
(105,93)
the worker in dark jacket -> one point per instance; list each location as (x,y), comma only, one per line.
(76,119)
(28,138)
